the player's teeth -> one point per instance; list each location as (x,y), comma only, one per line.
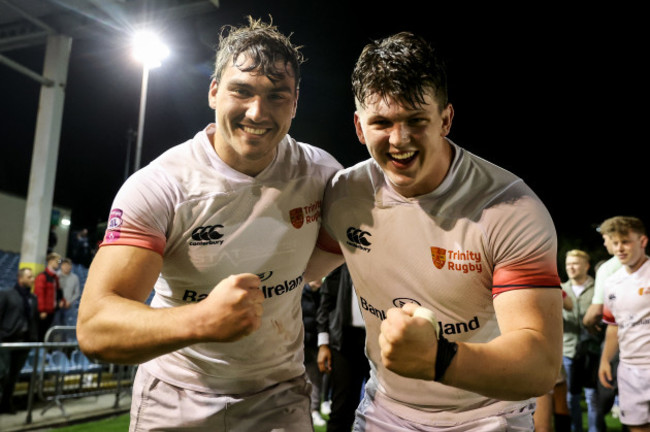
(401,156)
(254,131)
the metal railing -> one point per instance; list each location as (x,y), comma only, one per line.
(47,379)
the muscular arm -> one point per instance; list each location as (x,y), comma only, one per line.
(115,325)
(525,359)
(522,362)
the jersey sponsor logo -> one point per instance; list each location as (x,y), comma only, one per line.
(268,290)
(265,275)
(379,313)
(644,291)
(399,302)
(449,328)
(206,235)
(464,261)
(115,221)
(283,288)
(300,216)
(193,296)
(460,326)
(358,238)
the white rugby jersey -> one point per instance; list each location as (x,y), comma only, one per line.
(209,221)
(627,305)
(480,233)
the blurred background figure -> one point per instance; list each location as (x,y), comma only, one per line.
(310,302)
(581,348)
(18,323)
(341,342)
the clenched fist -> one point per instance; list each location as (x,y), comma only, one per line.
(408,344)
(232,310)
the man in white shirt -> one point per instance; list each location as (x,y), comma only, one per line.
(627,315)
(426,223)
(221,227)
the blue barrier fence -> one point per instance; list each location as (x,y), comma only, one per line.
(57,370)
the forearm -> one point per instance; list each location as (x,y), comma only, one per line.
(610,347)
(114,323)
(135,334)
(514,366)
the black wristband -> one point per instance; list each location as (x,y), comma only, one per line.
(446,352)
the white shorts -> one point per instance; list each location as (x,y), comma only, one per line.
(634,394)
(372,417)
(158,406)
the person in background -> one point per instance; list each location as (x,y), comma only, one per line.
(71,289)
(581,349)
(310,302)
(18,323)
(626,312)
(341,339)
(48,291)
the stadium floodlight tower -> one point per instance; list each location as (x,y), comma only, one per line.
(150,51)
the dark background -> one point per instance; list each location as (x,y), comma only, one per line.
(556,95)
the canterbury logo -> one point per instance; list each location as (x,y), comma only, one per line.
(207,233)
(357,238)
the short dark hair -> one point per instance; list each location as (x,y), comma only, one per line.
(402,67)
(263,44)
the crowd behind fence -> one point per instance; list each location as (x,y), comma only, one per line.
(56,370)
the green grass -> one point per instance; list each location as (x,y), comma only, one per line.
(111,424)
(121,424)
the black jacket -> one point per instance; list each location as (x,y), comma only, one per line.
(335,312)
(18,315)
(310,301)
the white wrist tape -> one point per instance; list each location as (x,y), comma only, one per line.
(428,315)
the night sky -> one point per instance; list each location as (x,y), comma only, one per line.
(557,96)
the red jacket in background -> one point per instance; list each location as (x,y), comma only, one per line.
(47,290)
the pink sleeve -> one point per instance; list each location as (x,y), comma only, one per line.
(141,213)
(525,247)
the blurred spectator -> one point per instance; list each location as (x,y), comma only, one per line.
(52,240)
(71,288)
(80,248)
(310,302)
(341,341)
(581,349)
(18,323)
(49,294)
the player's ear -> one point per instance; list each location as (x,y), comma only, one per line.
(359,130)
(295,104)
(447,116)
(212,94)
